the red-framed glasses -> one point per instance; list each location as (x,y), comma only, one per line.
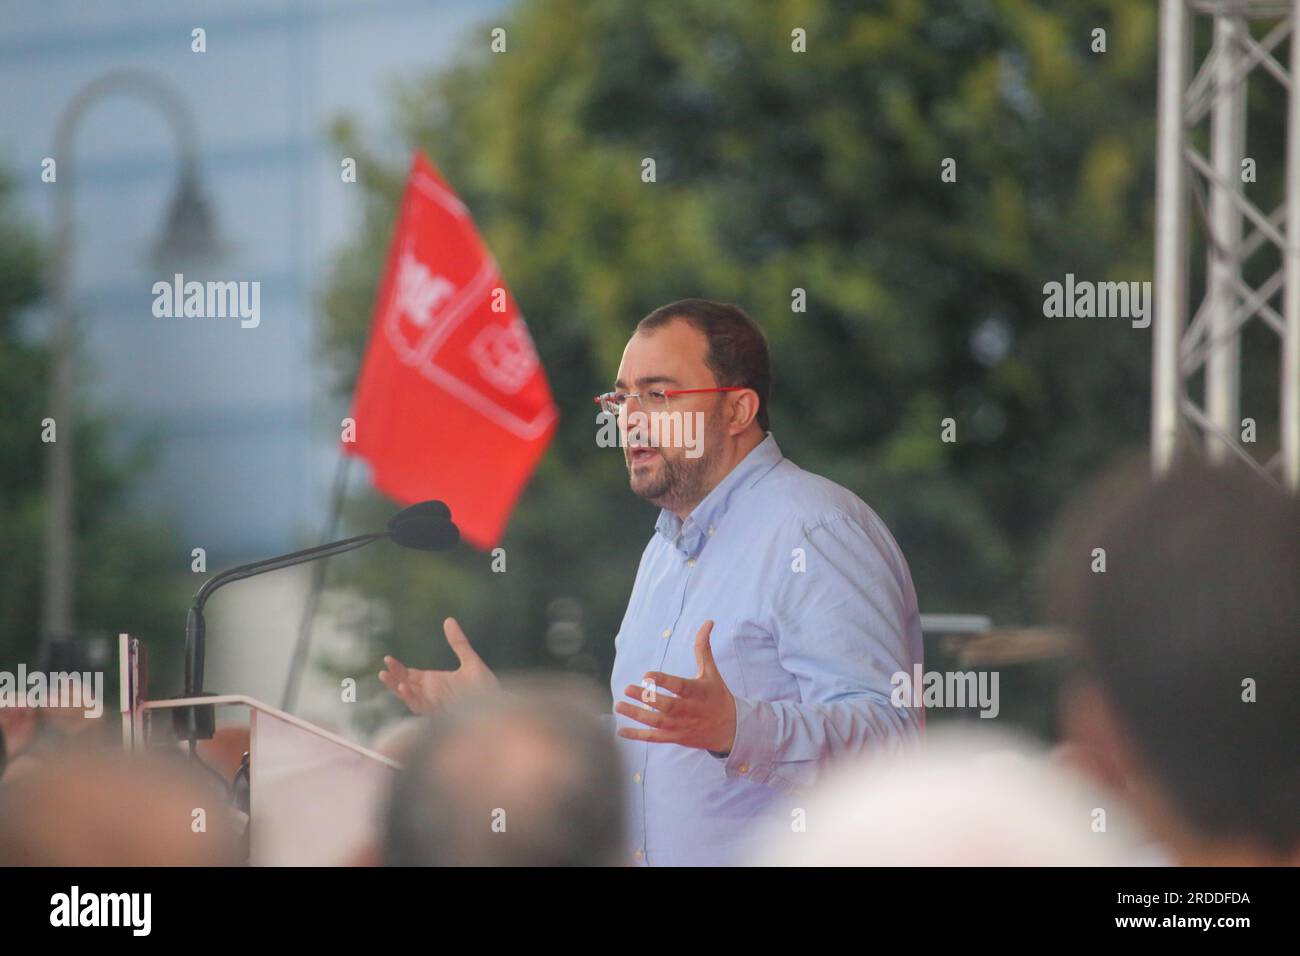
(654,399)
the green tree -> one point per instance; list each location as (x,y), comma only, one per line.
(123,577)
(777,171)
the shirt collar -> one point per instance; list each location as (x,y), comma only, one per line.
(689,536)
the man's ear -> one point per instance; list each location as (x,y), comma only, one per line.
(743,410)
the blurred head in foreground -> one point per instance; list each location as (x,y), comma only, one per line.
(962,799)
(28,734)
(103,808)
(1190,643)
(528,776)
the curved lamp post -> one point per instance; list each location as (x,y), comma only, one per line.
(188,233)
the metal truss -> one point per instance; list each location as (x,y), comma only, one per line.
(1235,231)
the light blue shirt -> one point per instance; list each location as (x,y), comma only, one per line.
(813,611)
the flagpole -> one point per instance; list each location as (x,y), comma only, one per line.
(303,645)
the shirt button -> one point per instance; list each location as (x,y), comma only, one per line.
(743,768)
(636,777)
(710,529)
(639,855)
(690,563)
(668,632)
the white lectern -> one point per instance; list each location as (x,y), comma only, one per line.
(314,797)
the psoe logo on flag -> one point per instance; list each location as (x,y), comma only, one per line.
(419,292)
(505,355)
(425,306)
(439,319)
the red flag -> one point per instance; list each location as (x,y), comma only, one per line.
(452,401)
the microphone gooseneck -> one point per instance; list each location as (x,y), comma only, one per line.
(425,526)
(195,630)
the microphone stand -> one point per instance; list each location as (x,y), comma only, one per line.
(196,723)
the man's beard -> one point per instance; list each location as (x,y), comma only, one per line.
(682,482)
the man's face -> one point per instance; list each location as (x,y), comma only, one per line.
(670,357)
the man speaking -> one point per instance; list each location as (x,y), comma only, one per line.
(769,613)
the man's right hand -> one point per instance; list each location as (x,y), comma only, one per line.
(425,691)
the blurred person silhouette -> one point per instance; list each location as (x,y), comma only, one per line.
(18,729)
(31,735)
(525,776)
(105,808)
(1188,697)
(963,798)
(28,734)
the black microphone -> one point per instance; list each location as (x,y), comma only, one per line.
(425,533)
(425,526)
(422,509)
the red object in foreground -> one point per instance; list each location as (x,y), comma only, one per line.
(452,402)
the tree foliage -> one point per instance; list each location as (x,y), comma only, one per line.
(778,171)
(130,577)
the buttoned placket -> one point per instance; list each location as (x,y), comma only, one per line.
(691,556)
(688,539)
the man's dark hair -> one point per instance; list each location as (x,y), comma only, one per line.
(737,352)
(1199,600)
(525,777)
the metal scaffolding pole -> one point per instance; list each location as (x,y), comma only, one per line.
(1171,233)
(1290,421)
(1223,265)
(1234,230)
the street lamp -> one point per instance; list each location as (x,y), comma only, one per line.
(189,234)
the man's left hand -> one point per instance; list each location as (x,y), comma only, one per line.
(700,713)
